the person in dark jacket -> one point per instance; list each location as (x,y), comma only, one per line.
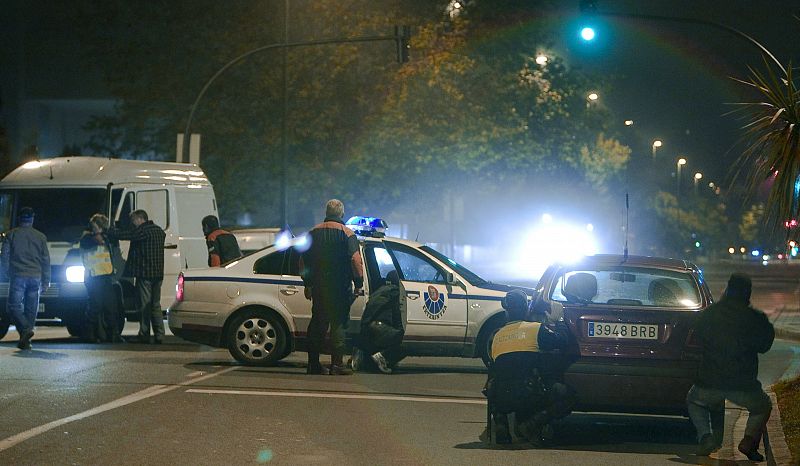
(526,374)
(732,334)
(97,251)
(26,263)
(146,264)
(382,328)
(222,245)
(330,268)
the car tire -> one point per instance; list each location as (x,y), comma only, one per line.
(257,338)
(5,322)
(485,341)
(75,329)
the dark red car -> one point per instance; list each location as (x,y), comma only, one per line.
(631,318)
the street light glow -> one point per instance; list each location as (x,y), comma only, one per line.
(628,122)
(587,34)
(657,143)
(593,96)
(698,176)
(681,161)
(541,59)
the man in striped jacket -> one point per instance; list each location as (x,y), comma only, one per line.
(330,269)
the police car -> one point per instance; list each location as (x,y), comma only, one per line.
(256,307)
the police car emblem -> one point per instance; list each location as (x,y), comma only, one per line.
(434,303)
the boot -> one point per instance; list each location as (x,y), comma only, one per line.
(749,448)
(337,365)
(314,366)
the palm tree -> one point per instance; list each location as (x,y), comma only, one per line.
(772,140)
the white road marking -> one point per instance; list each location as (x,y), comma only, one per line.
(148,392)
(347,396)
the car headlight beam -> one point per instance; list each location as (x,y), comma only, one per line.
(75,273)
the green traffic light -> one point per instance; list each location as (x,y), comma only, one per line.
(587,34)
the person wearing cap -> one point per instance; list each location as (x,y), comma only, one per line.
(732,334)
(330,269)
(526,373)
(26,262)
(382,328)
(222,245)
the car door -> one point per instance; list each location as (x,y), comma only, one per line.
(436,315)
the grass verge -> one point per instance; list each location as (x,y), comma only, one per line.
(788,393)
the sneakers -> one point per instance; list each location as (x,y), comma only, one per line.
(383,366)
(25,340)
(357,360)
(707,445)
(749,448)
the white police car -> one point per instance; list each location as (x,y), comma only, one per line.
(256,308)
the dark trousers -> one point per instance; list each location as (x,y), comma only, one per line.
(23,302)
(328,311)
(103,313)
(381,337)
(150,308)
(707,410)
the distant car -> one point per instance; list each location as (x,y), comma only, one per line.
(255,306)
(632,319)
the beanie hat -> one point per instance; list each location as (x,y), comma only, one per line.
(515,303)
(26,214)
(739,286)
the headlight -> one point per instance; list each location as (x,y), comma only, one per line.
(75,273)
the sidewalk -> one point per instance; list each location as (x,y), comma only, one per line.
(787,323)
(787,326)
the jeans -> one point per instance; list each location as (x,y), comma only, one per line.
(150,308)
(23,302)
(707,409)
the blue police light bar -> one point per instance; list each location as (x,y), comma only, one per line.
(367,226)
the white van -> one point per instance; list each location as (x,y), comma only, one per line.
(66,192)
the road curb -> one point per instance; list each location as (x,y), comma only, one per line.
(775,446)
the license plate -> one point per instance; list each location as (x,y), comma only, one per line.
(623,330)
(41,308)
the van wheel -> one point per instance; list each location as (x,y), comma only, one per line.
(256,338)
(5,322)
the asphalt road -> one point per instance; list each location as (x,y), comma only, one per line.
(77,404)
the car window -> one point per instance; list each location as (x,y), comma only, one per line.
(633,286)
(271,264)
(415,267)
(378,263)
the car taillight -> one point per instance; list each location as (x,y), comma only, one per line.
(179,288)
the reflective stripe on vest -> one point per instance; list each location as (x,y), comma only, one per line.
(516,337)
(97,261)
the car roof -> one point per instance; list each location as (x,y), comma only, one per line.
(636,261)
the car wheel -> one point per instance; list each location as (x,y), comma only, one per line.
(485,343)
(75,330)
(256,338)
(5,322)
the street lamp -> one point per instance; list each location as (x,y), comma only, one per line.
(593,96)
(656,144)
(697,177)
(588,34)
(681,163)
(541,59)
(628,122)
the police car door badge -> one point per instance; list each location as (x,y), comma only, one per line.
(433,305)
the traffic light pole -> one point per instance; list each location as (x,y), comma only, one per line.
(401,37)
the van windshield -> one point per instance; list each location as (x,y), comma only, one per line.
(61,213)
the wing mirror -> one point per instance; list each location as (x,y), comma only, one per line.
(450,278)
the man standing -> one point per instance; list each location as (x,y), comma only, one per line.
(732,334)
(146,264)
(222,245)
(26,262)
(330,268)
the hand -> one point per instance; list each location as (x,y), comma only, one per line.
(307,292)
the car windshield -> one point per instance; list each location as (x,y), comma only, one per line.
(631,286)
(467,274)
(61,213)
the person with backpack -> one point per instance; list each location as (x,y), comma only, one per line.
(525,375)
(222,245)
(97,251)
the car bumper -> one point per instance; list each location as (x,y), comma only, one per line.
(651,387)
(200,326)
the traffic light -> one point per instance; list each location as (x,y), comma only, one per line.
(403,37)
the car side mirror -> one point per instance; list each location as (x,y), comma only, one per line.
(450,278)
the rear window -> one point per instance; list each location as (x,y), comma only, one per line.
(627,286)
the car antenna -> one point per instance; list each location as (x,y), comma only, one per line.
(627,218)
(417,238)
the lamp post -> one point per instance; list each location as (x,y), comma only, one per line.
(681,163)
(697,177)
(656,144)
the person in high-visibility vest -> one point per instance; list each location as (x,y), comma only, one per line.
(103,312)
(525,377)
